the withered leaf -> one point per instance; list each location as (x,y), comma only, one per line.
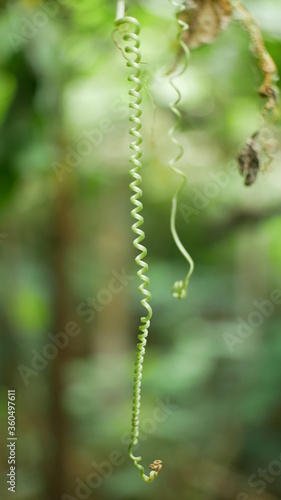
(268,67)
(206,19)
(248,162)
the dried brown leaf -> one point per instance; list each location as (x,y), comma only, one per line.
(266,63)
(248,162)
(206,19)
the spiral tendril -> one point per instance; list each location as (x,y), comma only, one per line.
(132,54)
(179,289)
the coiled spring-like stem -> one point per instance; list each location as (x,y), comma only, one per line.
(179,289)
(133,57)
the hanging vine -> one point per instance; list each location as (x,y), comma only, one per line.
(199,22)
(179,290)
(132,54)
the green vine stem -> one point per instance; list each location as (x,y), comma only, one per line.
(132,55)
(179,289)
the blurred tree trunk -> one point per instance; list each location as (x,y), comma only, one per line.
(115,249)
(62,237)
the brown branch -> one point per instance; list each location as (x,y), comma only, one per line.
(266,63)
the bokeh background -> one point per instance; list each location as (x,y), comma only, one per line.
(65,233)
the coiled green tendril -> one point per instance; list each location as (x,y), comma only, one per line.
(132,55)
(179,289)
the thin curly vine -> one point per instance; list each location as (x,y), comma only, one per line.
(179,289)
(132,54)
